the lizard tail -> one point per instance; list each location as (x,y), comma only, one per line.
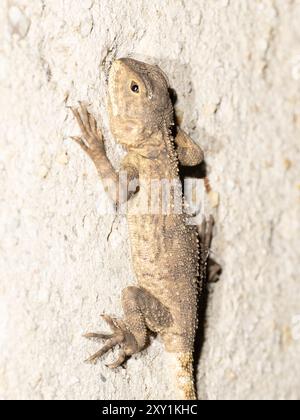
(183,367)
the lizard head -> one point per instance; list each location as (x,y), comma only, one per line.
(138,101)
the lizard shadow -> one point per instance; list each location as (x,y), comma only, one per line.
(212,267)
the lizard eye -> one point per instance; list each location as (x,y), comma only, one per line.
(134,87)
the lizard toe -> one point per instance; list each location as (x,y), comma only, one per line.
(120,336)
(111,342)
(121,359)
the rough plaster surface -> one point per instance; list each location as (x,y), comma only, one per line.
(236,68)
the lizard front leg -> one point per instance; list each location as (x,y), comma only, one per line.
(91,141)
(142,312)
(189,153)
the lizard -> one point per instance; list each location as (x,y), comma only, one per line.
(169,256)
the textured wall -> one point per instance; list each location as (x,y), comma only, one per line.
(236,68)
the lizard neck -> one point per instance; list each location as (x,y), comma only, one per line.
(159,149)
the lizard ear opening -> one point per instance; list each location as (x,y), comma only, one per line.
(134,87)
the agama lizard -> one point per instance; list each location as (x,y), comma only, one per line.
(169,256)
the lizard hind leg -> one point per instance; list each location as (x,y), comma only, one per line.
(211,269)
(142,312)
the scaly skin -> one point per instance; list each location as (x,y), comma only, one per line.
(165,249)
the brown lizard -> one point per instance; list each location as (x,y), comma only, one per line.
(166,250)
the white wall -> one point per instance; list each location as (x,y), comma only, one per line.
(236,68)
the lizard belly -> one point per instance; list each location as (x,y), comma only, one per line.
(163,247)
(165,261)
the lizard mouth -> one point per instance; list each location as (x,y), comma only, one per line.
(111,70)
(111,76)
(112,85)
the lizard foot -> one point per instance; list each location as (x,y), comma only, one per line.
(206,234)
(120,335)
(91,139)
